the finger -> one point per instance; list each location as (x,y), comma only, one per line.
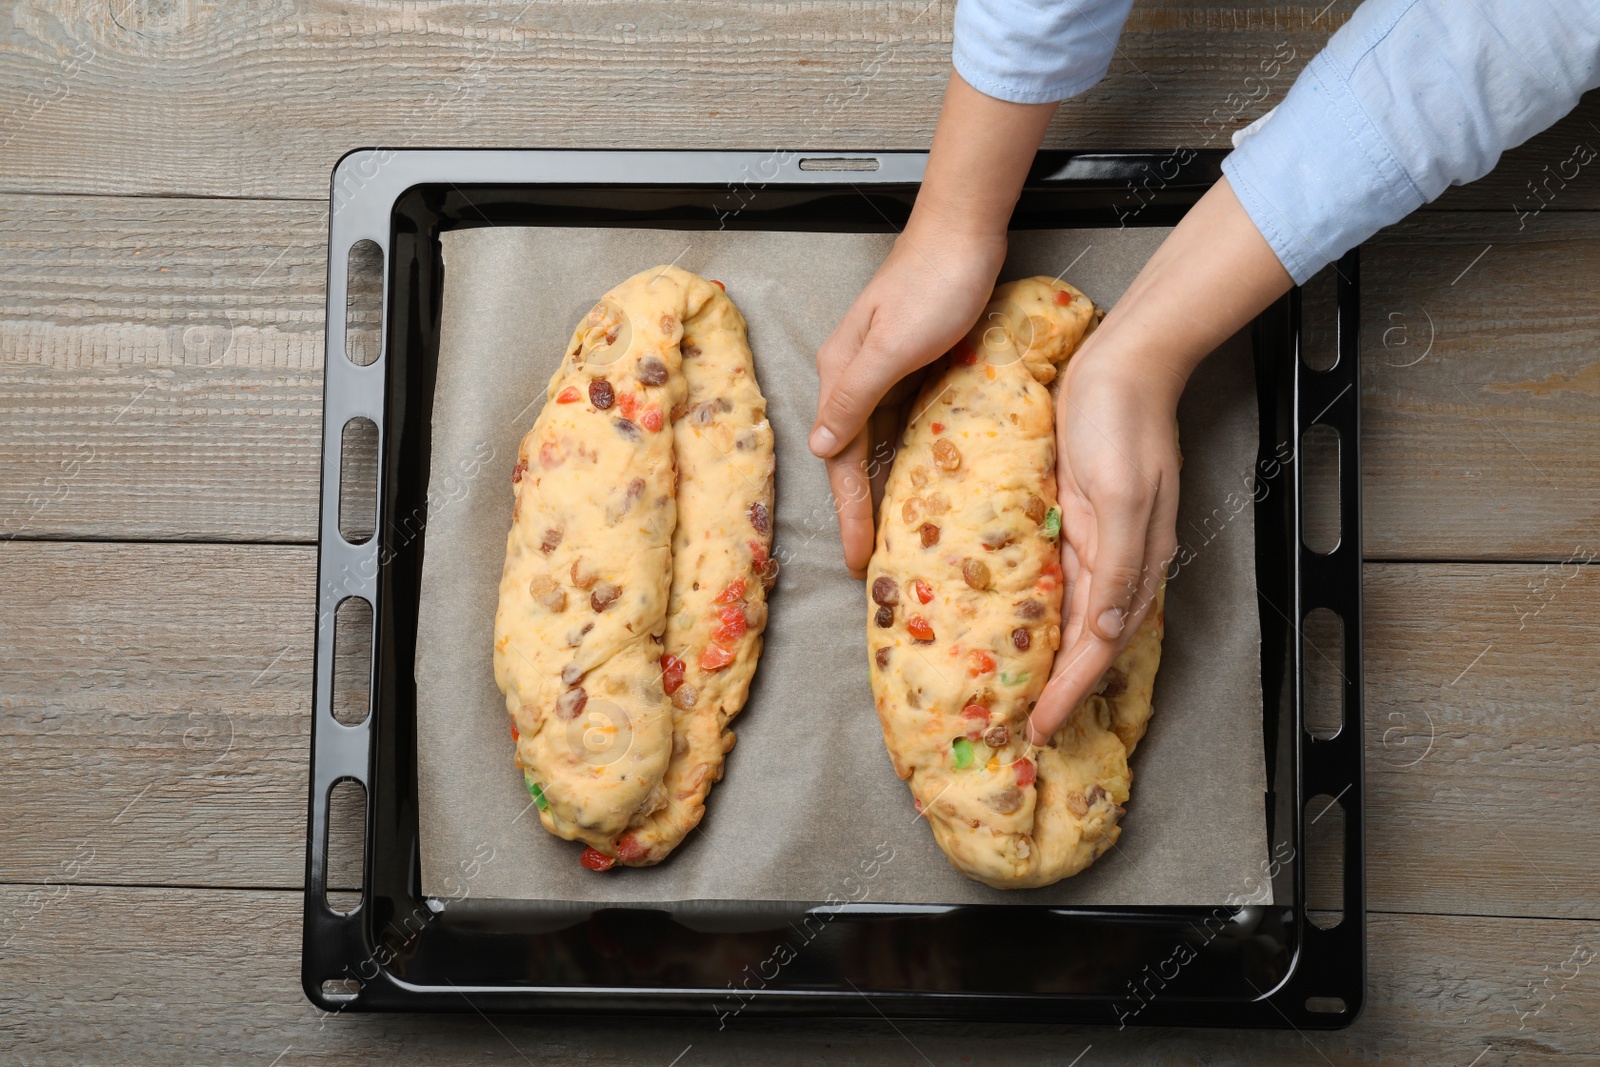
(1077,539)
(1078,670)
(884,428)
(1071,572)
(856,390)
(1122,523)
(852,502)
(841,347)
(1074,634)
(1161,548)
(1086,656)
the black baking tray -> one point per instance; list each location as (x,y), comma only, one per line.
(1237,964)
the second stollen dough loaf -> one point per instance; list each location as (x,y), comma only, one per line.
(964,617)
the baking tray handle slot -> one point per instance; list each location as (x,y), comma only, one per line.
(1331,759)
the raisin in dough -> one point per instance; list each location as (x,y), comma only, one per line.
(583,596)
(964,615)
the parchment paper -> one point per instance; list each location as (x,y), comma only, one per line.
(810,805)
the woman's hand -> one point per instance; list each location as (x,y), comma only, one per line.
(1117,478)
(929,291)
(1116,433)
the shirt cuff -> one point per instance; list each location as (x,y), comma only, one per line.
(983,79)
(1317,178)
(1036,51)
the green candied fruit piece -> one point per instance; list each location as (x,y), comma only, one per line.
(1013,678)
(1052,523)
(536,791)
(961,748)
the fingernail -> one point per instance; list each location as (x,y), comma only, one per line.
(823,441)
(1110,622)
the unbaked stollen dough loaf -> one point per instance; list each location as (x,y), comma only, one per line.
(632,600)
(583,595)
(722,567)
(964,610)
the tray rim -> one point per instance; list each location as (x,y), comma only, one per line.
(365,188)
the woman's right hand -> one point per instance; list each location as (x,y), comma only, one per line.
(928,293)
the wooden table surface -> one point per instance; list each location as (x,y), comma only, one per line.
(163,172)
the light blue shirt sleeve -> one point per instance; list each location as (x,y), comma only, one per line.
(1409,98)
(1036,51)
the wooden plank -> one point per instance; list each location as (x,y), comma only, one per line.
(85,98)
(1479,379)
(80,95)
(1483,752)
(160,368)
(213,976)
(130,667)
(160,374)
(156,705)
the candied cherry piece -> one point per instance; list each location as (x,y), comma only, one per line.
(672,669)
(1026,773)
(733,622)
(715,657)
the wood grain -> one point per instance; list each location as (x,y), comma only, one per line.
(156,713)
(1481,446)
(87,91)
(88,101)
(1483,746)
(131,668)
(160,368)
(213,976)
